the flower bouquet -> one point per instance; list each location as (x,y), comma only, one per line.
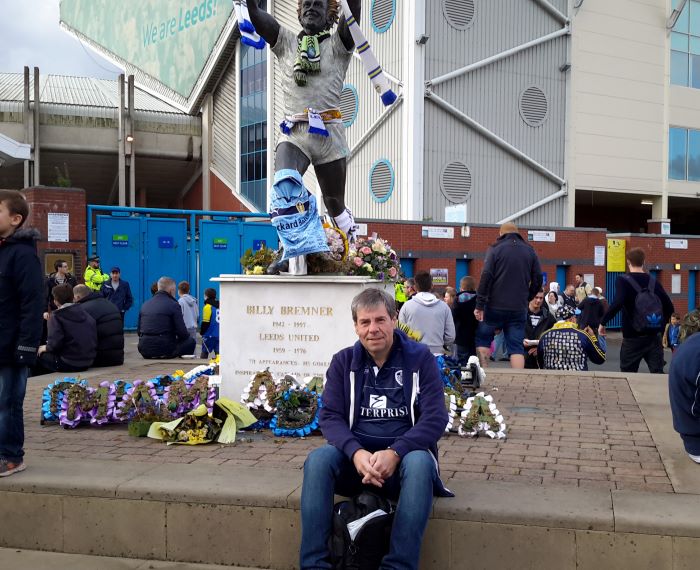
(257,262)
(373,257)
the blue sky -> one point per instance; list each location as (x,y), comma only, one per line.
(30,35)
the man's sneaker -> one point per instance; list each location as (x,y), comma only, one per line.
(7,468)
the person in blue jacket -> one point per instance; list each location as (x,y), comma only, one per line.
(383,414)
(118,292)
(684,388)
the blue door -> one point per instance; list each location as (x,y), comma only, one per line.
(407,266)
(219,252)
(692,290)
(165,251)
(119,244)
(610,279)
(461,270)
(561,277)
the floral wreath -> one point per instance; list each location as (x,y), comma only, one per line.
(260,394)
(136,401)
(297,413)
(52,397)
(480,415)
(182,395)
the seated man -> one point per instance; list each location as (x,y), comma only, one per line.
(110,327)
(538,321)
(567,347)
(383,413)
(428,315)
(161,328)
(683,386)
(71,345)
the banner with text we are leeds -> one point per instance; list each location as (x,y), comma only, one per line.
(170,40)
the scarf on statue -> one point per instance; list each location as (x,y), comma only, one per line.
(308,56)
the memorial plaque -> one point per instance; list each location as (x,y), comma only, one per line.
(291,325)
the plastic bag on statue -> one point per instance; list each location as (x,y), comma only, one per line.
(294,214)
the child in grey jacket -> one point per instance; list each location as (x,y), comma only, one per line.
(190,308)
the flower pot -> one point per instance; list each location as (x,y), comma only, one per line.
(139,428)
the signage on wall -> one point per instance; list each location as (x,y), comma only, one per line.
(220,243)
(58,223)
(537,235)
(616,255)
(437,232)
(456,213)
(120,240)
(599,256)
(439,277)
(666,228)
(166,242)
(676,244)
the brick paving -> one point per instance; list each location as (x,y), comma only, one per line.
(562,430)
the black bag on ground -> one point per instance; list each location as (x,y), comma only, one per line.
(648,310)
(371,542)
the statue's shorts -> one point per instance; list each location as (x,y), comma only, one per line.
(317,148)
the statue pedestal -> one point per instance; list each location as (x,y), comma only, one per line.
(291,325)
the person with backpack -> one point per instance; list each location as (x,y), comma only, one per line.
(646,308)
(383,413)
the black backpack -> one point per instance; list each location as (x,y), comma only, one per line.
(372,541)
(648,311)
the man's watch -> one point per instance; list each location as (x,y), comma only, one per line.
(395,452)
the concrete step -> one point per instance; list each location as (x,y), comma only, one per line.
(37,560)
(210,514)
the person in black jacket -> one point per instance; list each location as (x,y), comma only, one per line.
(684,394)
(638,344)
(118,292)
(60,276)
(161,327)
(110,327)
(21,305)
(511,277)
(465,321)
(592,310)
(539,320)
(72,342)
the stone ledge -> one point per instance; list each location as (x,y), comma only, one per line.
(476,501)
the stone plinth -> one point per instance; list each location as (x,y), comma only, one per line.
(291,325)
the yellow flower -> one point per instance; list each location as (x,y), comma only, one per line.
(258,270)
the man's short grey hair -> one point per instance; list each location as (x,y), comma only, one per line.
(369,299)
(81,291)
(166,284)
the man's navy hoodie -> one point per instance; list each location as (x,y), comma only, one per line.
(422,386)
(511,277)
(684,390)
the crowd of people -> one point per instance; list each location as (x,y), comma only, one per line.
(536,326)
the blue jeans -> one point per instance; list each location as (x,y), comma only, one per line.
(13,386)
(512,323)
(328,470)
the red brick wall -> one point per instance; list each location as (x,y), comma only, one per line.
(45,199)
(221,197)
(573,248)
